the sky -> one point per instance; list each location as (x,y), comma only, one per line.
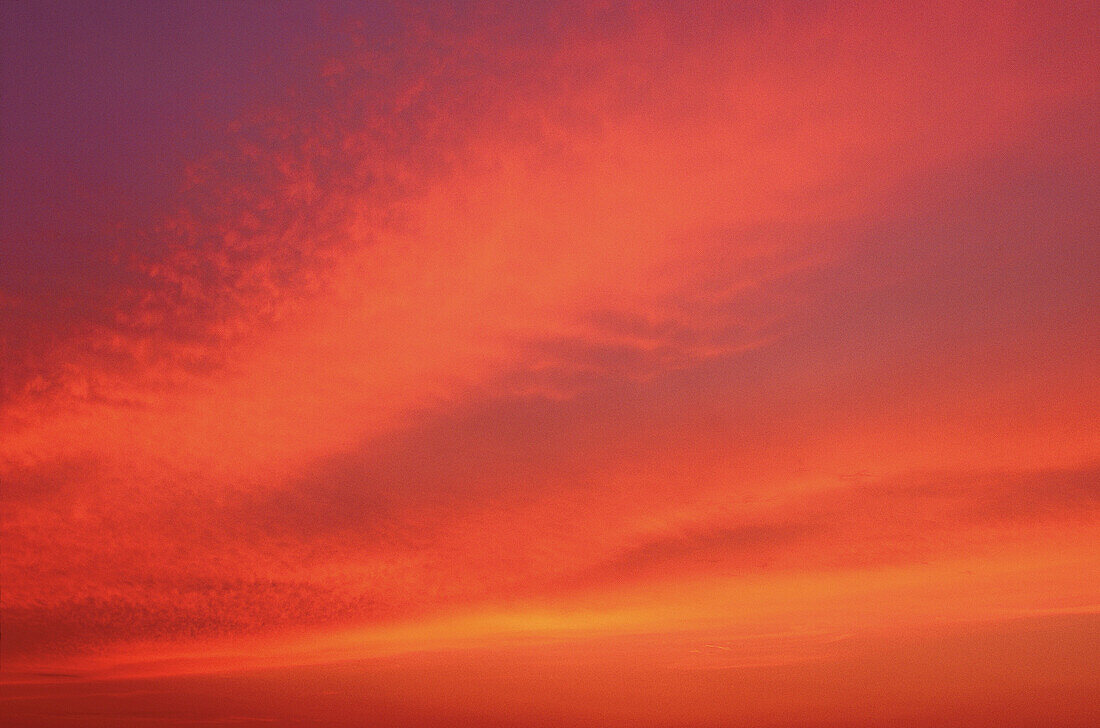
(557,363)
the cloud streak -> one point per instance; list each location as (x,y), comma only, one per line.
(473,330)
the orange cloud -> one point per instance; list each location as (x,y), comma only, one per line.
(663,333)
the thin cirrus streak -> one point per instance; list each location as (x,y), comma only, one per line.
(615,364)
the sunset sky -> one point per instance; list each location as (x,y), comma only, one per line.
(669,364)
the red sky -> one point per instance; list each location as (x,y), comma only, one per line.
(610,364)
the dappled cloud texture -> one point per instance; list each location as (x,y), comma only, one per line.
(614,364)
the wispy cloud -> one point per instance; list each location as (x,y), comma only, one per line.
(662,324)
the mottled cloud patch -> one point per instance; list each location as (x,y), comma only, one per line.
(629,321)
